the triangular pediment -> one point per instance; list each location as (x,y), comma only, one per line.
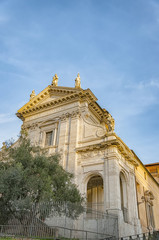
(49,94)
(54,96)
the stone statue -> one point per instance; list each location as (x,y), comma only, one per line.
(78,81)
(55,80)
(32,95)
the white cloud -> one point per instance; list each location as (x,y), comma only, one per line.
(154,83)
(6,117)
(143,84)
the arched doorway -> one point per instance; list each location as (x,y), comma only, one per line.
(95,193)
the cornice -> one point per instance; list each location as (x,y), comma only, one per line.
(126,152)
(48,91)
(66,95)
(64,90)
(47,105)
(147,171)
(35,100)
(57,91)
(34,106)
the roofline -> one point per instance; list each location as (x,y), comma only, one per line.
(152,164)
(145,168)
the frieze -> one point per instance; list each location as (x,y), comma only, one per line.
(26,126)
(91,154)
(126,152)
(31,126)
(72,115)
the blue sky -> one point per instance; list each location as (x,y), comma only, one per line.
(113,44)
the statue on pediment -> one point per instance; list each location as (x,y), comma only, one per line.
(78,81)
(32,95)
(55,80)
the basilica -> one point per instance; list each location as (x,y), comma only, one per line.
(69,121)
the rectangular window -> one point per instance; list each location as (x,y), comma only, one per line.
(49,138)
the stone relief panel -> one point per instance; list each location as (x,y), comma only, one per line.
(92,168)
(91,154)
(91,157)
(92,129)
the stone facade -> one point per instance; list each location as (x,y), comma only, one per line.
(69,121)
(147,198)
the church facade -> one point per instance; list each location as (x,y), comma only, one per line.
(69,121)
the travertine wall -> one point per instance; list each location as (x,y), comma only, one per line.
(147,184)
(83,134)
(80,138)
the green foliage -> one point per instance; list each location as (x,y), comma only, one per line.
(30,177)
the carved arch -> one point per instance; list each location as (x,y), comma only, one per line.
(95,192)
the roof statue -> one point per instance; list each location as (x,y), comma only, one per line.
(32,95)
(55,80)
(78,81)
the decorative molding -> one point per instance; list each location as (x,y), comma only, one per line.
(51,121)
(91,139)
(128,155)
(31,126)
(91,154)
(100,131)
(94,163)
(36,105)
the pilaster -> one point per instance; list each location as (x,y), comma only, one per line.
(112,184)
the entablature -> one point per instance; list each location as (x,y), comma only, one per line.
(122,148)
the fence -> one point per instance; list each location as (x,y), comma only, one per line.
(151,235)
(58,220)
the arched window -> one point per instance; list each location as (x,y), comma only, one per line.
(95,193)
(123,197)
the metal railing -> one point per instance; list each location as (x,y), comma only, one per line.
(20,231)
(151,235)
(62,220)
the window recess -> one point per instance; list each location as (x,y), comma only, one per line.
(49,138)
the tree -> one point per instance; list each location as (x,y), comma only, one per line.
(29,179)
